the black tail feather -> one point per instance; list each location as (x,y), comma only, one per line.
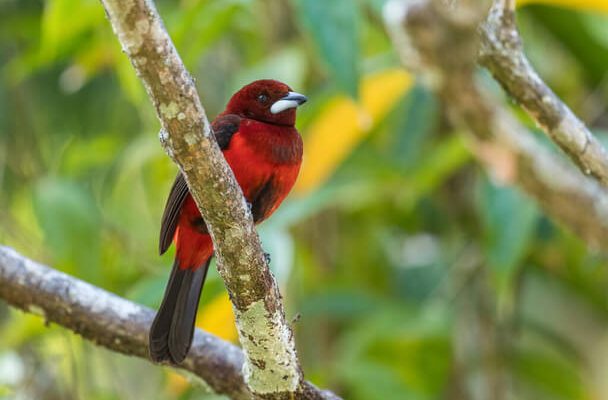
(182,325)
(159,331)
(173,327)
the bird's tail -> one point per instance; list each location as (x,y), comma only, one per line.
(172,330)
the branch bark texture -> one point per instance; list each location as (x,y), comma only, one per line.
(271,366)
(501,52)
(110,321)
(441,43)
(118,324)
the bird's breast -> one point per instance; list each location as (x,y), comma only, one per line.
(260,154)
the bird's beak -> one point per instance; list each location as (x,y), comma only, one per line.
(292,100)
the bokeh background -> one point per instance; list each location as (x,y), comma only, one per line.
(413,275)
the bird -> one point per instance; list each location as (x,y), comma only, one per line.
(257,135)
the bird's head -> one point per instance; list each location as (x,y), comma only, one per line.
(266,100)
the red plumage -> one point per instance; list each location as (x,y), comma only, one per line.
(258,153)
(260,143)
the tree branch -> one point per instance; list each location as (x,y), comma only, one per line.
(501,52)
(271,367)
(118,324)
(445,42)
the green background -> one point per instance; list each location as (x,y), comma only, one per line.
(414,275)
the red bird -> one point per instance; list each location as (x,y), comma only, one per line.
(257,136)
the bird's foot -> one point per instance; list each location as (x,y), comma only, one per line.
(267,257)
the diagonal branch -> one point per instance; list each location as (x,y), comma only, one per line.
(501,52)
(118,324)
(444,43)
(271,369)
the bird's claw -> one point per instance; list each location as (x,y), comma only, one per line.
(267,257)
(296,318)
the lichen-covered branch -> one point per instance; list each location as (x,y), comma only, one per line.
(444,42)
(501,52)
(187,138)
(118,324)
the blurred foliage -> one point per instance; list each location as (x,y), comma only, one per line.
(592,5)
(414,275)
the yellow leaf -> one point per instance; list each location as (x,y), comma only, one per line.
(590,5)
(344,123)
(217,318)
(177,384)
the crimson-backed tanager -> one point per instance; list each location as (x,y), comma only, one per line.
(257,136)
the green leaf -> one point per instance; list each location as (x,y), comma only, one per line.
(198,24)
(21,329)
(62,31)
(445,158)
(419,338)
(509,220)
(387,384)
(340,304)
(148,290)
(288,65)
(279,244)
(598,26)
(549,374)
(70,221)
(334,28)
(574,34)
(415,123)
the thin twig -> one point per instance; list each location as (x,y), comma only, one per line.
(501,52)
(446,44)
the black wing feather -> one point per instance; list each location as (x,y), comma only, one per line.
(178,194)
(224,127)
(263,201)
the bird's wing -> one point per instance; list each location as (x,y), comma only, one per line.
(263,201)
(224,127)
(178,194)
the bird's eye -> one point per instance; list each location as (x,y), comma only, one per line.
(263,98)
